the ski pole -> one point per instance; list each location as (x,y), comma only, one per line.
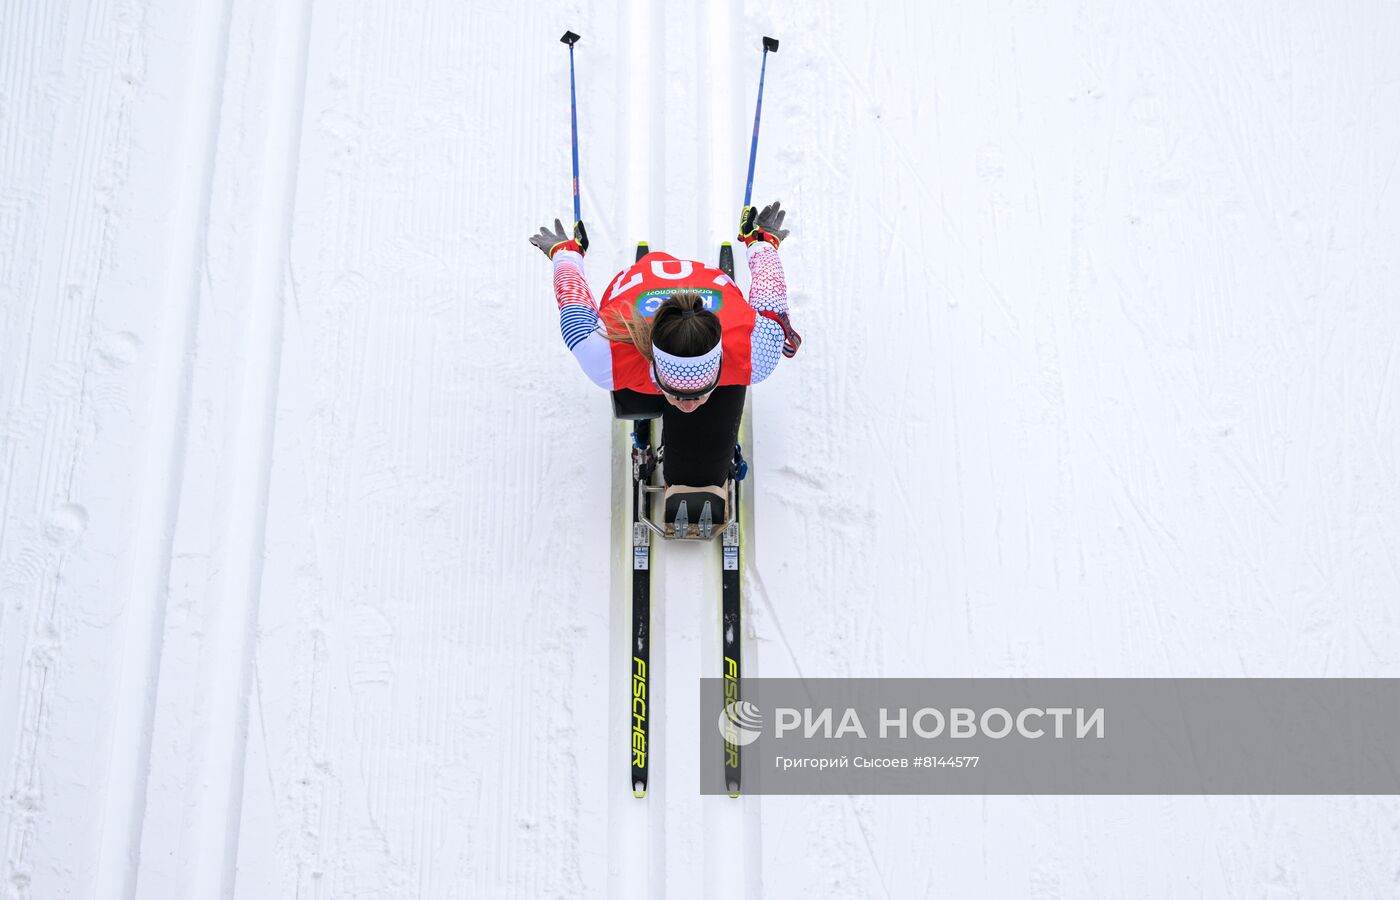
(768,44)
(570,38)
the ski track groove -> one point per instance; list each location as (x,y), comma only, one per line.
(732,849)
(94,137)
(152,543)
(634,825)
(216,734)
(26,705)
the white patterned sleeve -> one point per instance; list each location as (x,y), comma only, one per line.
(767,292)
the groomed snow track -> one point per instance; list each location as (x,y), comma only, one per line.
(305,553)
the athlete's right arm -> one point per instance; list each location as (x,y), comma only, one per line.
(578,319)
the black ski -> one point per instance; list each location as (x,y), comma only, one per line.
(730,588)
(642,465)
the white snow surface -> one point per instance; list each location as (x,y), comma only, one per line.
(308,586)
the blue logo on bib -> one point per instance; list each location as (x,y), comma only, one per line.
(650,301)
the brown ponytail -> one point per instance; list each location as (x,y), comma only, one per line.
(682,326)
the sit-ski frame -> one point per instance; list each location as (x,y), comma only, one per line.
(705,527)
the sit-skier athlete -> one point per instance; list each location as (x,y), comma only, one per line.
(684,330)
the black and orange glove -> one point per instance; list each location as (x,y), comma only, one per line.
(551,242)
(763,225)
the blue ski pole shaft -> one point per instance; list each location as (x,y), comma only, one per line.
(570,38)
(768,44)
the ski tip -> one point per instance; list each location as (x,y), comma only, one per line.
(639,794)
(768,43)
(570,38)
(724,244)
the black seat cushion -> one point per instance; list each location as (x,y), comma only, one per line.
(629,404)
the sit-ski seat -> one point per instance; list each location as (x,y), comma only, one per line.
(688,513)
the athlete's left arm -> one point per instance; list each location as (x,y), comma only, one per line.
(767,293)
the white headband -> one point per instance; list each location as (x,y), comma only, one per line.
(688,373)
